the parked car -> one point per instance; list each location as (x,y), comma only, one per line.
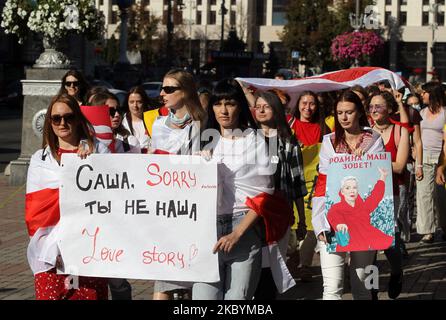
(101,83)
(153,88)
(11,96)
(121,94)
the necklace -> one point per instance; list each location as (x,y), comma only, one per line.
(354,144)
(382,129)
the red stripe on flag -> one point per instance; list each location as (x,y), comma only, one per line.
(275,211)
(346,75)
(158,151)
(319,190)
(41,209)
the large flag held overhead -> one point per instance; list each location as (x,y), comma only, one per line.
(331,81)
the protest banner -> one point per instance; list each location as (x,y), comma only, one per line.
(359,202)
(138,217)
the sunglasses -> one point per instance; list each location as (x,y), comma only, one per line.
(56,119)
(113,111)
(72,83)
(170,89)
(378,107)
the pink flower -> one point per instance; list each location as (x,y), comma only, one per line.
(355,45)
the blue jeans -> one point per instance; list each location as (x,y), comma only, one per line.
(239,269)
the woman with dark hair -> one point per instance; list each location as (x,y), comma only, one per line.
(176,133)
(136,104)
(288,178)
(353,136)
(124,141)
(245,192)
(75,85)
(433,136)
(309,127)
(395,135)
(65,130)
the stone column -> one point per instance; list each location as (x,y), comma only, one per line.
(39,87)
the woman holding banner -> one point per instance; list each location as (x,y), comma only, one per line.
(177,133)
(65,131)
(351,136)
(245,176)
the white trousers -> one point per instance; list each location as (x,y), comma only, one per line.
(332,265)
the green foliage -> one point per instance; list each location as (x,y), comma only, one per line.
(312,24)
(233,42)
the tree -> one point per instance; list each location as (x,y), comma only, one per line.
(312,25)
(233,42)
(272,64)
(143,27)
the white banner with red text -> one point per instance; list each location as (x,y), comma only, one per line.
(139,217)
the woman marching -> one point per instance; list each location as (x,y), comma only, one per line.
(396,140)
(177,133)
(75,85)
(245,193)
(308,125)
(288,178)
(66,130)
(351,136)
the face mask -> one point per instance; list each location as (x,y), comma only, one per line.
(178,122)
(416,107)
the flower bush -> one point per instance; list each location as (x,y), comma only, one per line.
(53,18)
(357,45)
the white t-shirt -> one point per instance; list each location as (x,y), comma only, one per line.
(139,131)
(133,144)
(167,139)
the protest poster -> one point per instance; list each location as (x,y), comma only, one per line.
(359,202)
(139,216)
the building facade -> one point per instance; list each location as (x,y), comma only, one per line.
(415,30)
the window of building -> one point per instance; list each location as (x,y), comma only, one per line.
(388,2)
(261,13)
(114,17)
(387,16)
(403,2)
(232,18)
(440,18)
(279,12)
(199,2)
(198,17)
(425,21)
(212,17)
(101,2)
(426,2)
(440,2)
(213,2)
(403,18)
(233,2)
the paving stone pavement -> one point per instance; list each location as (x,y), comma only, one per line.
(425,268)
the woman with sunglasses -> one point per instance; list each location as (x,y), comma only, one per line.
(137,102)
(352,135)
(124,141)
(65,130)
(395,135)
(245,183)
(288,178)
(75,85)
(177,133)
(430,197)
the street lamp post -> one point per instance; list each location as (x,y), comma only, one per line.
(430,49)
(223,11)
(124,6)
